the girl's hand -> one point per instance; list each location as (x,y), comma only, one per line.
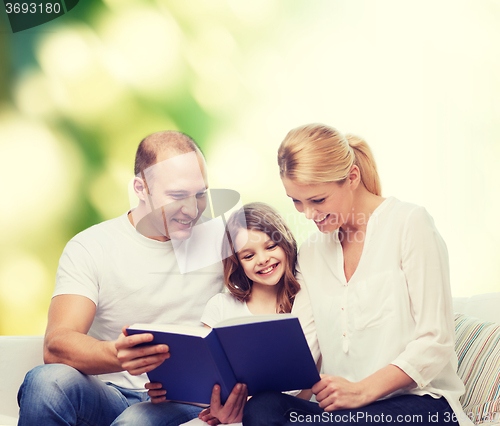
(337,393)
(232,410)
(207,417)
(156,392)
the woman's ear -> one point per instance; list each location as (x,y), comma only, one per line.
(140,189)
(354,177)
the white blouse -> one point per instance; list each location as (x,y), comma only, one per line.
(395,309)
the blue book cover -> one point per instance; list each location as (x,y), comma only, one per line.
(266,352)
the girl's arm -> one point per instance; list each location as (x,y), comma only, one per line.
(305,394)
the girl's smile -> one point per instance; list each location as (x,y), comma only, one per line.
(268,271)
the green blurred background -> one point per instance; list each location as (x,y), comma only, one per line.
(419,81)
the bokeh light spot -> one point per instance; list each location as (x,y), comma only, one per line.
(23,279)
(41,176)
(142,47)
(73,60)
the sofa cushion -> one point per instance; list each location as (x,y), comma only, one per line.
(484,306)
(478,350)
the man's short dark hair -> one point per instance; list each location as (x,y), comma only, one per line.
(158,142)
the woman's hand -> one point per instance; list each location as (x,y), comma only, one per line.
(156,392)
(337,393)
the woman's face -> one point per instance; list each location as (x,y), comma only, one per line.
(329,205)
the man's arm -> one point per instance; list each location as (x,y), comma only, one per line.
(67,342)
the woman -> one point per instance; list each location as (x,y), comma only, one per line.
(377,274)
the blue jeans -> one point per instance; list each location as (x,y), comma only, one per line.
(56,394)
(274,408)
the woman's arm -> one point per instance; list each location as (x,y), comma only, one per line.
(335,393)
(303,310)
(426,269)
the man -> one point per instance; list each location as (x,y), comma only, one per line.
(119,272)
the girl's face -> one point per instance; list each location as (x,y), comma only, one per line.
(329,205)
(263,260)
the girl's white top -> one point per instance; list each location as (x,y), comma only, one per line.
(395,309)
(224,306)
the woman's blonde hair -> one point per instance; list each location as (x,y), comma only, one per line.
(316,153)
(260,217)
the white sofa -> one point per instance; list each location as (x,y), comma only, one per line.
(477,346)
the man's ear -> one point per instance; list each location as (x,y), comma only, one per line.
(140,189)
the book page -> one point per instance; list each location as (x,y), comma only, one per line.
(173,328)
(253,319)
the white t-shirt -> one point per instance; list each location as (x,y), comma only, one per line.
(133,279)
(395,309)
(225,306)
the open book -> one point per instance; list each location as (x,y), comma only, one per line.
(266,352)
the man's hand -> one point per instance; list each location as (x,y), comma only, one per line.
(337,393)
(139,360)
(231,411)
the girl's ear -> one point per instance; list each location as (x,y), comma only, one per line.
(140,189)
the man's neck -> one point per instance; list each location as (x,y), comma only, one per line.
(143,226)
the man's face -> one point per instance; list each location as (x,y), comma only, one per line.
(177,194)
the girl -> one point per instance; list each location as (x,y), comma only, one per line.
(260,268)
(260,257)
(378,278)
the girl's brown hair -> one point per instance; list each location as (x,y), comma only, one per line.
(316,153)
(260,217)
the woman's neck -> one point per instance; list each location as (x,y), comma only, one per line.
(263,299)
(363,205)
